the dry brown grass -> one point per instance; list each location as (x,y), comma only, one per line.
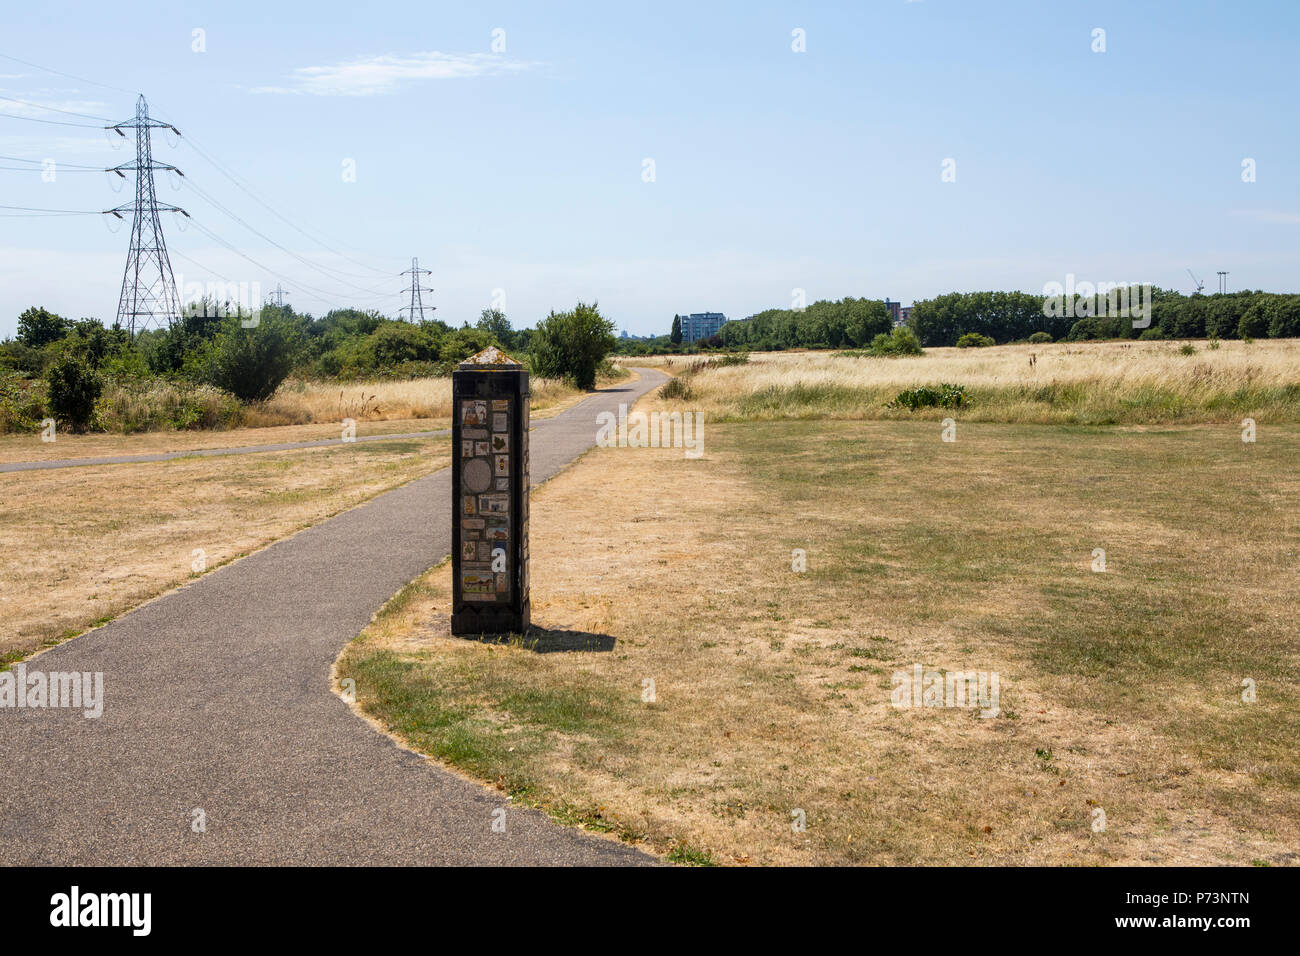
(1066,383)
(75,549)
(297,402)
(16,448)
(1119,690)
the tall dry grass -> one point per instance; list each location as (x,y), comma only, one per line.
(1084,383)
(298,403)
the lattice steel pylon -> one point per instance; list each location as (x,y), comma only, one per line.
(417,301)
(148,285)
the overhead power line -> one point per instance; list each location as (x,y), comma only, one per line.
(34,119)
(149,165)
(60,164)
(55,109)
(307,262)
(70,76)
(322,295)
(64,212)
(189,141)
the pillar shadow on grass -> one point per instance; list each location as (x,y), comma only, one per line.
(541,640)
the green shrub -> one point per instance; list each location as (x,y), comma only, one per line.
(973,340)
(29,361)
(929,396)
(73,388)
(732,358)
(571,345)
(462,343)
(22,406)
(1040,338)
(251,363)
(1188,349)
(1151,334)
(899,341)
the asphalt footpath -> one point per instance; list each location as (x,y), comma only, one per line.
(217,700)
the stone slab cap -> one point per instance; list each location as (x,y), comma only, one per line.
(490,357)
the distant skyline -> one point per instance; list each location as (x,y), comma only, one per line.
(795,148)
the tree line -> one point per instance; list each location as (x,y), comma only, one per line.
(60,366)
(1002,317)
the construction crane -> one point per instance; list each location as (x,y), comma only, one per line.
(1200,286)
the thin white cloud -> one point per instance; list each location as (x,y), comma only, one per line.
(369,76)
(1269,216)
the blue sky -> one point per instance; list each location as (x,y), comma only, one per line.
(520,173)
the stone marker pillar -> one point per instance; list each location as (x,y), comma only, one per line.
(489,493)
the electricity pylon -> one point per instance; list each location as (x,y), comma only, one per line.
(148,285)
(417,302)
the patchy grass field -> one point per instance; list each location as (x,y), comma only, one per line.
(81,545)
(1121,691)
(1099,383)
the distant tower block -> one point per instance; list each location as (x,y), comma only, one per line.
(489,495)
(148,285)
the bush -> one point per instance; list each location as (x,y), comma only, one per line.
(973,340)
(571,345)
(676,388)
(1151,334)
(73,387)
(135,406)
(21,404)
(398,342)
(463,343)
(22,358)
(929,396)
(899,341)
(1105,327)
(1040,338)
(251,363)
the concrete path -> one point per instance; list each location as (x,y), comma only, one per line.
(217,697)
(205,452)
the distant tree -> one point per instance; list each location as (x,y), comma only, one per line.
(37,327)
(676,336)
(494,322)
(1285,321)
(1255,321)
(571,345)
(93,343)
(464,342)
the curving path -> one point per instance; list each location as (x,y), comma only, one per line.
(217,696)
